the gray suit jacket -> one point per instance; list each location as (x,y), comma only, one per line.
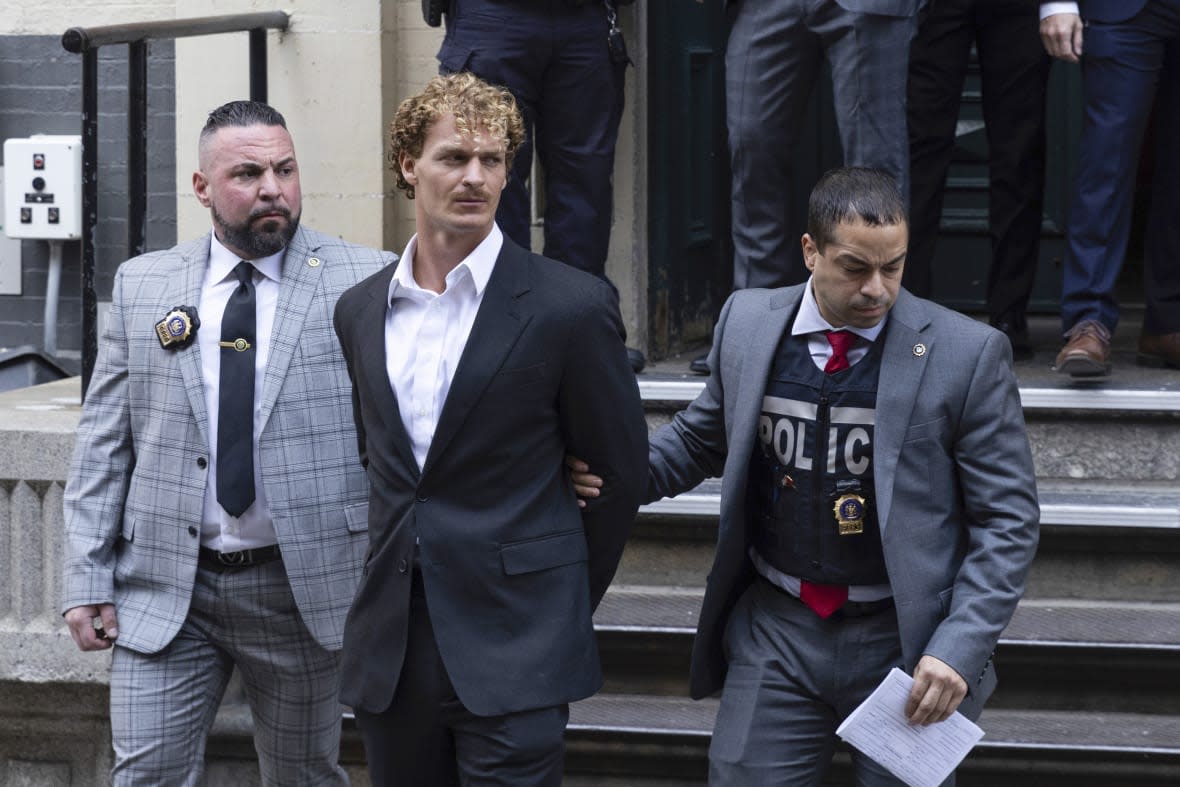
(137,482)
(955,489)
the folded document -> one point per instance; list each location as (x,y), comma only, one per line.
(921,756)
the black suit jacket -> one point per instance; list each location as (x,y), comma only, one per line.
(512,568)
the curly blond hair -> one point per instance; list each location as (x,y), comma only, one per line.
(475,105)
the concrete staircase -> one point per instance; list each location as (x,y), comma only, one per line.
(1089,668)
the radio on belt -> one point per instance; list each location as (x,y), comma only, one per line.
(43,187)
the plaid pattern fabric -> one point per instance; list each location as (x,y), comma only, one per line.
(133,499)
(163,704)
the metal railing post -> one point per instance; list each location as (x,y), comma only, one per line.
(258,64)
(136,147)
(89,212)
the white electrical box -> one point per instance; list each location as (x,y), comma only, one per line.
(43,187)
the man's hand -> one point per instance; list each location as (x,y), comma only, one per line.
(82,622)
(937,692)
(586,485)
(1062,35)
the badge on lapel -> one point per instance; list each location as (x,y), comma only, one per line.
(178,327)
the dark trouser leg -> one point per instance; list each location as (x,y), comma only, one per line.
(771,64)
(1120,71)
(1161,275)
(938,65)
(506,45)
(1015,70)
(577,127)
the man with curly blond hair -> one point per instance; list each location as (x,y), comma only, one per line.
(475,367)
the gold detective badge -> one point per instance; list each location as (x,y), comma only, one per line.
(850,514)
(177,328)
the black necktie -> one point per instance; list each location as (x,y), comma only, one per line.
(235,414)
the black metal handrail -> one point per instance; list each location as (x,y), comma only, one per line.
(86,42)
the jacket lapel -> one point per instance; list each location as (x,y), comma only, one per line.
(369,367)
(193,259)
(902,368)
(301,278)
(766,331)
(501,318)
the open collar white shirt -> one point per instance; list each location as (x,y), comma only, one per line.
(426,332)
(810,322)
(254,527)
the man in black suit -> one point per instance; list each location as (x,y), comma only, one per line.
(1014,74)
(475,366)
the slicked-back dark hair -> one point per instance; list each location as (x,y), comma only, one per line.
(848,194)
(241,114)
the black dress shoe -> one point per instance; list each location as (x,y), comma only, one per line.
(700,364)
(1017,333)
(637,360)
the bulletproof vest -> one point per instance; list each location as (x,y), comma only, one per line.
(809,496)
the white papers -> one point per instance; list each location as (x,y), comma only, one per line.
(919,756)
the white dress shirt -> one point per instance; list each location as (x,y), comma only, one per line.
(810,321)
(254,527)
(425,333)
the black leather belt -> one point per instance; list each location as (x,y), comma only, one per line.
(246,558)
(863,609)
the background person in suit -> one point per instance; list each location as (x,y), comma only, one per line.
(475,365)
(1014,71)
(565,63)
(1125,47)
(908,547)
(215,515)
(772,61)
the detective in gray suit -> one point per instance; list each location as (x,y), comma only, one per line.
(775,52)
(878,505)
(215,513)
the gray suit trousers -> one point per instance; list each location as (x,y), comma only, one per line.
(163,704)
(775,51)
(792,678)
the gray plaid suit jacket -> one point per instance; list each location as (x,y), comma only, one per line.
(133,499)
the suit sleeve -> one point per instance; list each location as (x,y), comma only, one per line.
(998,487)
(341,319)
(693,446)
(602,422)
(100,472)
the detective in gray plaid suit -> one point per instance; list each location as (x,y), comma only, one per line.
(146,539)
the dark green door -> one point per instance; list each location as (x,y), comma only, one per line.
(690,267)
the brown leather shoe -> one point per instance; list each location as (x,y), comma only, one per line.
(1159,351)
(1087,353)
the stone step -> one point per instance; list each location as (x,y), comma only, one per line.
(1056,653)
(1110,432)
(1098,541)
(642,740)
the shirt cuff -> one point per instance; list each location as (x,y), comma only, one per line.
(1048,9)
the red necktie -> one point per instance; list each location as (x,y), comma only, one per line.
(841,342)
(826,599)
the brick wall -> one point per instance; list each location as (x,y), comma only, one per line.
(40,93)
